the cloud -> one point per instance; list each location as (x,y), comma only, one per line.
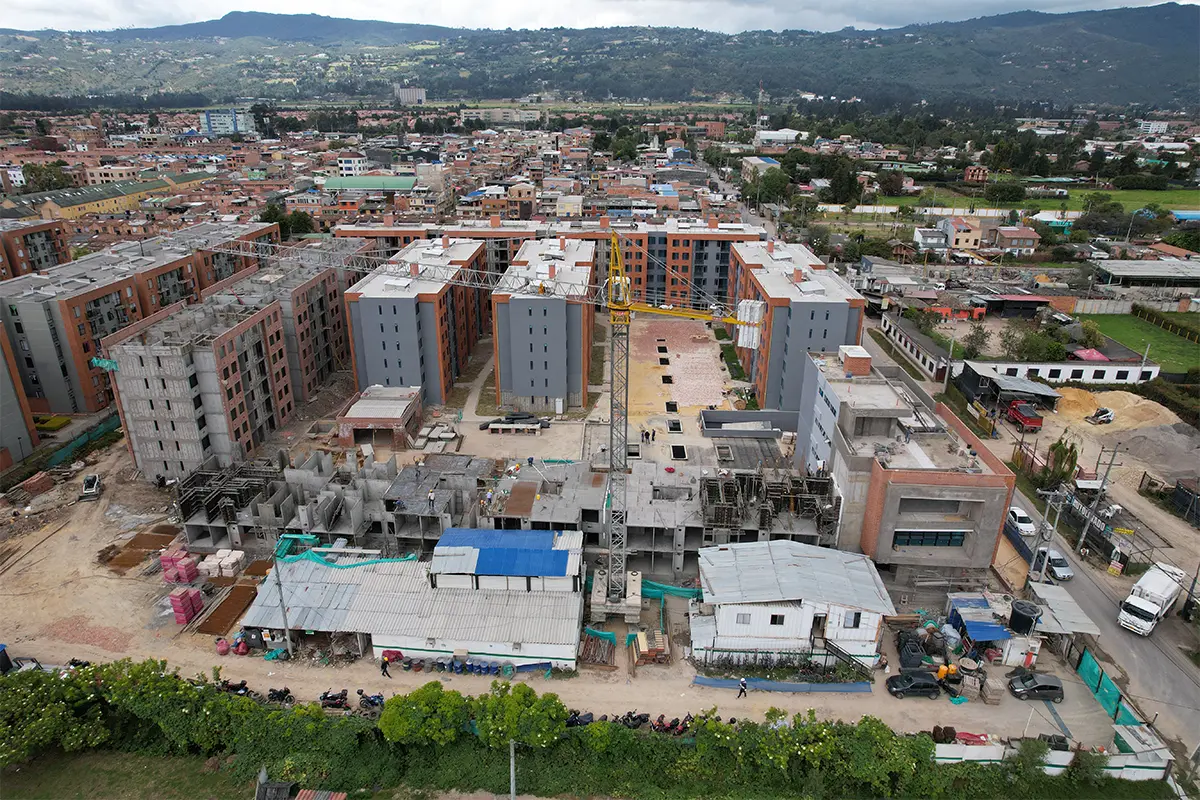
(723,15)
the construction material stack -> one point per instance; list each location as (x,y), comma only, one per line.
(178,566)
(652,648)
(993,690)
(186,603)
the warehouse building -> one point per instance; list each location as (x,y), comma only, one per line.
(542,316)
(508,597)
(410,325)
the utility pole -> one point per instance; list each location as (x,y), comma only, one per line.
(512,769)
(1091,517)
(1189,605)
(287,631)
(950,358)
(1145,356)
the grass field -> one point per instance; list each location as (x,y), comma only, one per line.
(1174,353)
(1131,199)
(118,776)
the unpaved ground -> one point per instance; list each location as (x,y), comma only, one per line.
(1152,439)
(59,603)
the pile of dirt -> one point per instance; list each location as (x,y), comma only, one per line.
(1172,451)
(1134,411)
(1077,404)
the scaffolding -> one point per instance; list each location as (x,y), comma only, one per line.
(737,500)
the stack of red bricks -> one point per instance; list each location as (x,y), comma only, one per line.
(41,482)
(186,603)
(178,566)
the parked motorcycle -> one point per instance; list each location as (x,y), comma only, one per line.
(230,687)
(634,720)
(681,728)
(659,724)
(369,700)
(283,695)
(332,699)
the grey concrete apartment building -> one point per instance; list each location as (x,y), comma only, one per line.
(542,318)
(410,326)
(808,308)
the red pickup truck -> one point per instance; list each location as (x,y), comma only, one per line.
(1024,415)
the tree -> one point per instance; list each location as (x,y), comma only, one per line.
(46,177)
(625,149)
(515,712)
(1011,336)
(1004,192)
(1097,159)
(891,184)
(43,126)
(429,714)
(152,120)
(1092,337)
(772,185)
(300,223)
(1188,239)
(274,213)
(976,340)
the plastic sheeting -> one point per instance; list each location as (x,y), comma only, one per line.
(608,636)
(309,555)
(858,687)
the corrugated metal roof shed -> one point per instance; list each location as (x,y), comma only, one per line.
(1061,614)
(395,598)
(780,571)
(975,613)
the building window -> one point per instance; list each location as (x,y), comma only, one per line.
(743,619)
(1099,374)
(929,538)
(1076,374)
(1122,374)
(777,619)
(852,620)
(1055,373)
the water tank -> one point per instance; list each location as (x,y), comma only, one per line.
(1024,615)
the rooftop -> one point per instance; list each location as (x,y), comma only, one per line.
(188,324)
(916,438)
(793,272)
(785,571)
(397,183)
(1163,268)
(382,402)
(510,552)
(541,266)
(394,598)
(423,267)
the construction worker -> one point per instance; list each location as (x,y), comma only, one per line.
(741,688)
(431,501)
(383,668)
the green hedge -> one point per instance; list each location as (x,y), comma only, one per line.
(442,740)
(1179,325)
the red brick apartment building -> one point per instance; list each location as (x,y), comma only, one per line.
(31,246)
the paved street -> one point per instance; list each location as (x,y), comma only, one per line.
(1157,675)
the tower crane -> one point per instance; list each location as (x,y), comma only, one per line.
(613,294)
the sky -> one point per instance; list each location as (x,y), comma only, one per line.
(729,16)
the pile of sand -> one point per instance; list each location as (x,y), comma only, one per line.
(1076,403)
(1133,411)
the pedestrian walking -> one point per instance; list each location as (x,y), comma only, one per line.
(383,668)
(431,500)
(741,688)
(653,433)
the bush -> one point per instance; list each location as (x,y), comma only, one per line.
(140,706)
(1004,192)
(1151,182)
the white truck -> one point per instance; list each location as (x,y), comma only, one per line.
(1151,598)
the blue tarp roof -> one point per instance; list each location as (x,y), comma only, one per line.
(1185,215)
(975,614)
(516,553)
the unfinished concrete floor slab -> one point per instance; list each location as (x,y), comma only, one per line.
(692,378)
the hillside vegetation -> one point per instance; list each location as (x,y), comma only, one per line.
(1121,56)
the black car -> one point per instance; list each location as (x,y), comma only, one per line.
(1035,686)
(914,683)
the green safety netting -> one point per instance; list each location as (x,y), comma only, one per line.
(656,591)
(608,636)
(309,555)
(630,638)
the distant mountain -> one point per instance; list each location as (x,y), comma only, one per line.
(1122,56)
(287,28)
